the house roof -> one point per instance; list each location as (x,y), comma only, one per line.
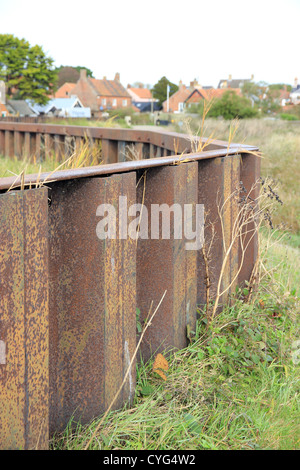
(143,93)
(64,90)
(212,93)
(181,94)
(58,103)
(109,87)
(236,83)
(219,92)
(200,91)
(295,89)
(20,107)
(146,106)
(284,94)
(3,108)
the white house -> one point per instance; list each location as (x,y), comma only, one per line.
(295,93)
(63,107)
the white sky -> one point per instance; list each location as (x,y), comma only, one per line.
(182,40)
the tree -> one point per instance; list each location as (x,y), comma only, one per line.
(68,73)
(26,71)
(232,106)
(159,91)
(254,91)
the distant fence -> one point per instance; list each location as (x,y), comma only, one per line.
(41,119)
(69,300)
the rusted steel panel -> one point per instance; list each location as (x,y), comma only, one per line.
(2,142)
(139,150)
(49,146)
(27,149)
(92,301)
(58,147)
(122,151)
(109,151)
(9,143)
(250,173)
(38,147)
(24,379)
(218,184)
(165,264)
(18,143)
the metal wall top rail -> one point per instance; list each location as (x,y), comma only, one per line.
(156,137)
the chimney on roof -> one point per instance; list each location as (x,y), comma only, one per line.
(180,84)
(128,86)
(252,78)
(192,85)
(229,78)
(83,74)
(104,78)
(117,77)
(296,83)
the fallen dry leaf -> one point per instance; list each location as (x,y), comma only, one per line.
(160,365)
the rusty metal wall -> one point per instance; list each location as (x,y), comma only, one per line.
(92,301)
(218,180)
(165,264)
(24,322)
(68,299)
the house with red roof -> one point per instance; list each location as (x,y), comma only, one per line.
(195,93)
(101,95)
(65,91)
(142,99)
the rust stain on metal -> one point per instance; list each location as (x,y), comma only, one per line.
(250,172)
(218,179)
(92,300)
(164,264)
(24,320)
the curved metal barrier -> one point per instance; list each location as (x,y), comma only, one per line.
(69,298)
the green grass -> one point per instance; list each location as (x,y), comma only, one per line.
(236,386)
(14,166)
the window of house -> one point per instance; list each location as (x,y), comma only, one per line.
(114,102)
(180,107)
(124,103)
(103,101)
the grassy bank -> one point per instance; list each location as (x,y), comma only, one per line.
(236,386)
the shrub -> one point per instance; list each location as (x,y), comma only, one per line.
(289,117)
(232,106)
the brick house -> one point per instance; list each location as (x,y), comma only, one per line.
(101,95)
(176,101)
(65,91)
(195,93)
(199,94)
(142,99)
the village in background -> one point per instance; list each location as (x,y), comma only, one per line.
(94,98)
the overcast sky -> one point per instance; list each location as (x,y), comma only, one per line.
(183,40)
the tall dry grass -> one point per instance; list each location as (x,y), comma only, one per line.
(279,142)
